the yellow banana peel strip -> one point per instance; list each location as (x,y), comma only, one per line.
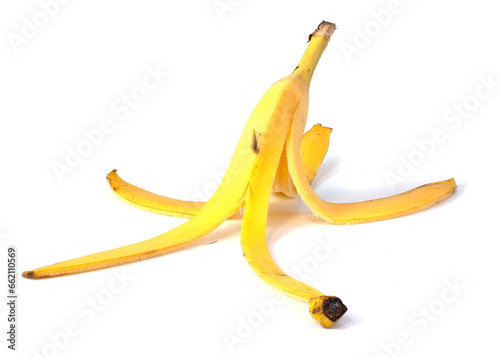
(394,206)
(151,202)
(313,150)
(221,205)
(326,310)
(269,155)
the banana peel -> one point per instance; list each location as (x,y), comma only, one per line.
(272,154)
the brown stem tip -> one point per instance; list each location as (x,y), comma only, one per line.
(324,29)
(333,308)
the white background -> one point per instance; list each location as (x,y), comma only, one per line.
(409,70)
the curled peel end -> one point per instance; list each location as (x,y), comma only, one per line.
(111,175)
(323,127)
(324,29)
(453,184)
(327,310)
(112,172)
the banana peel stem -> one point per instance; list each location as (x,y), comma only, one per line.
(327,310)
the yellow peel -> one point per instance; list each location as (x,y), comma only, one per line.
(223,203)
(151,202)
(394,206)
(313,149)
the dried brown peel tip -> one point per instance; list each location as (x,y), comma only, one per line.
(324,29)
(28,274)
(333,308)
(327,310)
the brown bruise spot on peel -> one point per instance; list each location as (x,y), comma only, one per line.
(333,308)
(255,142)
